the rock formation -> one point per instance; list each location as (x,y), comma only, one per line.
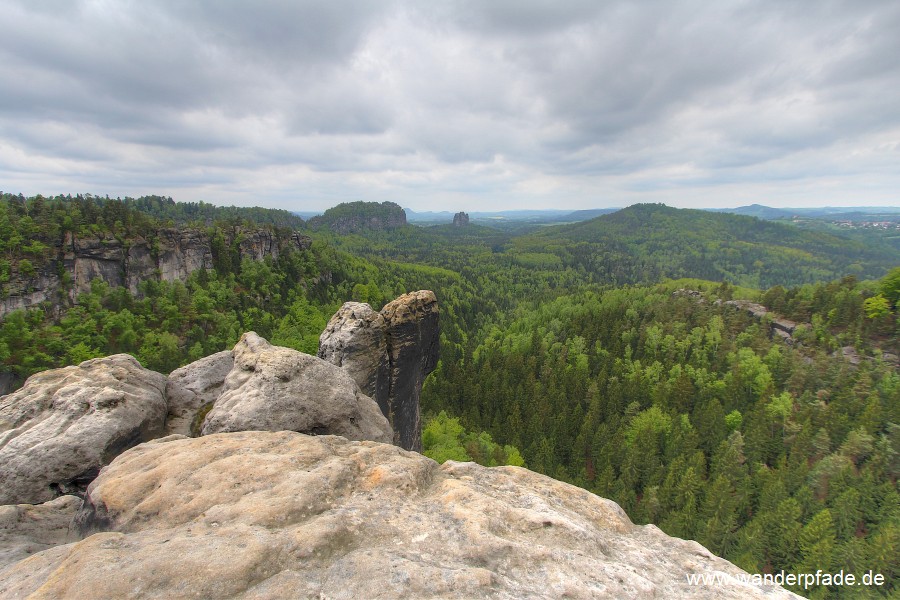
(285,515)
(171,255)
(460,219)
(64,424)
(355,340)
(388,354)
(273,388)
(29,528)
(192,390)
(413,343)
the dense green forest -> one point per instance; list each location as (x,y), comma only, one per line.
(575,350)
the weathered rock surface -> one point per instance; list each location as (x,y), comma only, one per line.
(174,254)
(64,424)
(284,515)
(7,382)
(411,323)
(388,354)
(461,219)
(273,388)
(27,528)
(355,340)
(193,388)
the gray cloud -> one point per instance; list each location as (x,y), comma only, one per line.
(453,104)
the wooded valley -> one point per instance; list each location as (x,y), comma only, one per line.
(609,353)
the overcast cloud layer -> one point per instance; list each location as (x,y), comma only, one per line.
(454,105)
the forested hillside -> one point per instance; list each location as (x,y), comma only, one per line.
(567,350)
(648,241)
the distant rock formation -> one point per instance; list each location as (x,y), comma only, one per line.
(285,515)
(171,255)
(353,217)
(783,328)
(460,219)
(273,388)
(65,424)
(388,354)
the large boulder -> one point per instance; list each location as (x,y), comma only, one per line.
(284,515)
(388,354)
(64,424)
(273,388)
(193,389)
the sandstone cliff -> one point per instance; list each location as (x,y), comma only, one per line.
(171,255)
(388,354)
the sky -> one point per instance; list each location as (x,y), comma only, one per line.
(454,105)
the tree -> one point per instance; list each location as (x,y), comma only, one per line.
(877,307)
(817,540)
(890,287)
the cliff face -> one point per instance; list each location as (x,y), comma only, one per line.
(171,256)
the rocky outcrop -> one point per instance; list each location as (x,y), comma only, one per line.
(413,341)
(7,382)
(460,219)
(171,254)
(27,528)
(355,340)
(285,515)
(193,389)
(388,354)
(65,424)
(780,327)
(273,388)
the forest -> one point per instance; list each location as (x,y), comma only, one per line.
(604,353)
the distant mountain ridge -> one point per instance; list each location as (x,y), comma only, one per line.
(770,213)
(518,216)
(647,241)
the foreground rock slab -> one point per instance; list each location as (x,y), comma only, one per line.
(285,515)
(273,388)
(64,424)
(26,529)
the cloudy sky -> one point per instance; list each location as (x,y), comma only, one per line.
(454,105)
